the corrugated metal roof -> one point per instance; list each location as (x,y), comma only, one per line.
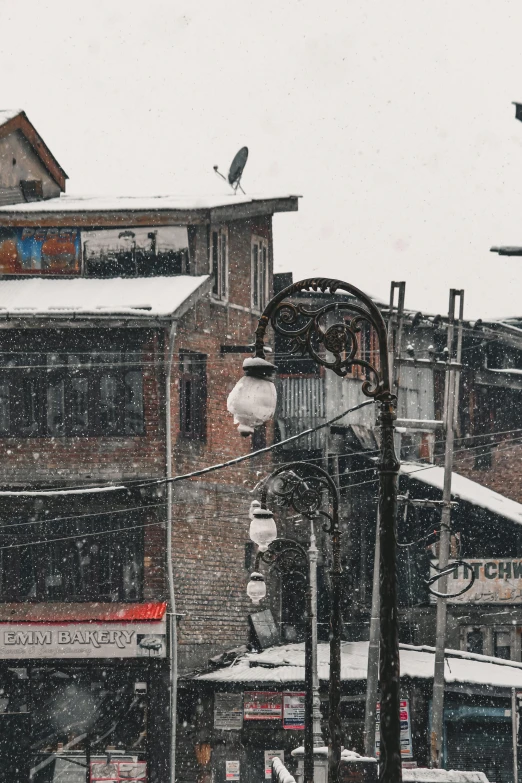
(82,613)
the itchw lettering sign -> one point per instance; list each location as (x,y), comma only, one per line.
(497,581)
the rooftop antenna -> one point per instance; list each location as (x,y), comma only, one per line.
(236,170)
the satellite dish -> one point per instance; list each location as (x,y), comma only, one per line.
(236,170)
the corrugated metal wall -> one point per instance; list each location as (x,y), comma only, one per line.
(301,404)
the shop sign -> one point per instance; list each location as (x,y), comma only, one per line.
(269,756)
(294,711)
(83,640)
(232,770)
(497,581)
(406,744)
(262,705)
(116,771)
(228,711)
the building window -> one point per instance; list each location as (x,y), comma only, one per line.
(260,273)
(64,395)
(64,566)
(219,262)
(475,641)
(193,395)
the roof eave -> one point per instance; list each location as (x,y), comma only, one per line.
(112,218)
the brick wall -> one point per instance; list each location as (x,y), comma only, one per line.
(210,516)
(504,475)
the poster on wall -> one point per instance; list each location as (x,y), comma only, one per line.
(232,770)
(406,744)
(262,705)
(294,711)
(228,711)
(41,251)
(269,756)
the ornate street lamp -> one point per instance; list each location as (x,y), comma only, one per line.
(338,347)
(309,491)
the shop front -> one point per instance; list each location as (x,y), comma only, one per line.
(84,701)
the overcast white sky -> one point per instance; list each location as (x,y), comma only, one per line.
(393,120)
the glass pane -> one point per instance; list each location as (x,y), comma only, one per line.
(79,405)
(255,276)
(109,392)
(223,266)
(56,406)
(262,278)
(133,403)
(5,417)
(215,270)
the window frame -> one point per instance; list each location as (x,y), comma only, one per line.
(99,573)
(52,370)
(196,397)
(218,263)
(260,294)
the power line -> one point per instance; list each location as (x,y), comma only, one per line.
(174,479)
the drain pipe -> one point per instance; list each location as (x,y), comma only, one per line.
(173,628)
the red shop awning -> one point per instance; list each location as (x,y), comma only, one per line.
(82,613)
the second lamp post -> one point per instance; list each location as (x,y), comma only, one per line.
(310,492)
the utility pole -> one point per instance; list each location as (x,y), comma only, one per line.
(451,393)
(395,322)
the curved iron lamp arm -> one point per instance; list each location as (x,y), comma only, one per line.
(309,334)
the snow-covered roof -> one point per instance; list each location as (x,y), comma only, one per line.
(71,203)
(136,296)
(285,664)
(8,114)
(465,489)
(442,776)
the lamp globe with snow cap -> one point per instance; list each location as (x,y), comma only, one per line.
(256,588)
(253,399)
(263,528)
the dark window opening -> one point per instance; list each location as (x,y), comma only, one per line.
(259,438)
(68,566)
(475,641)
(193,395)
(60,394)
(32,189)
(502,645)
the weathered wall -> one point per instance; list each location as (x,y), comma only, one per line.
(19,161)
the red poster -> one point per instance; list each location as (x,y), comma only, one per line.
(262,705)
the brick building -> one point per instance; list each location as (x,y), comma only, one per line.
(123,325)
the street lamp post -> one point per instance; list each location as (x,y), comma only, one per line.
(338,347)
(302,487)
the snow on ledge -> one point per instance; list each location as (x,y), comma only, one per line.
(134,296)
(465,489)
(442,776)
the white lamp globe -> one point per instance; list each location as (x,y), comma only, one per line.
(256,588)
(263,528)
(253,399)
